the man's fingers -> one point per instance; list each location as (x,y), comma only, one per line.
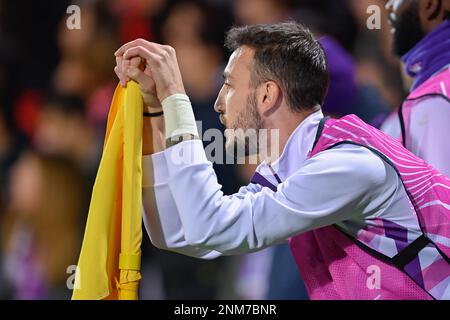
(121,76)
(126,46)
(139,76)
(156,60)
(119,64)
(119,61)
(150,46)
(120,70)
(135,62)
(143,53)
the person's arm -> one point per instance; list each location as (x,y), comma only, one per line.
(160,213)
(155,68)
(429,132)
(153,131)
(333,186)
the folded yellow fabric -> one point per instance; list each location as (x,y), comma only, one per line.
(109,262)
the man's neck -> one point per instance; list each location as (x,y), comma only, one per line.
(429,55)
(285,123)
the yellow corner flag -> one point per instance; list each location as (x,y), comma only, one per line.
(110,258)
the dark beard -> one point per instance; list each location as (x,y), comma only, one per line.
(408,31)
(250,147)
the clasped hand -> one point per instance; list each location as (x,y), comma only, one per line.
(153,66)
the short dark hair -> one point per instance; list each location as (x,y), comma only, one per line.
(288,54)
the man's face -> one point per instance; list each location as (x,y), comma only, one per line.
(406,25)
(236,101)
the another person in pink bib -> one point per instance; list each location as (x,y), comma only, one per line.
(421,32)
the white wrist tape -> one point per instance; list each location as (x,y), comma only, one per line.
(179,116)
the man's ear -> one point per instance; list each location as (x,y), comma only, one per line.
(446,8)
(431,13)
(268,97)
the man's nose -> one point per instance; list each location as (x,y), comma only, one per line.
(218,105)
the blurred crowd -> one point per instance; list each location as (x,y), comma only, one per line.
(56,86)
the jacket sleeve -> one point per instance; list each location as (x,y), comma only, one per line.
(160,213)
(331,187)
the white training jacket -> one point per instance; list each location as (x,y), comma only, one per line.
(193,217)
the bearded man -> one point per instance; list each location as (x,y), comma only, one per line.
(348,198)
(421,37)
